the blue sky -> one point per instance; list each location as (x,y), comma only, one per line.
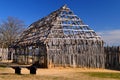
(101,15)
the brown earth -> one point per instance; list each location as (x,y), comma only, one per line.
(53,74)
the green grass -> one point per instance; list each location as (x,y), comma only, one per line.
(31,77)
(3,66)
(104,75)
(8,74)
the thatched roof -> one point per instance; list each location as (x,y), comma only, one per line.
(62,23)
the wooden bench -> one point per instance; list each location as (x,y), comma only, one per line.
(17,69)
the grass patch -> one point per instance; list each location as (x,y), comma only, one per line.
(2,69)
(104,75)
(3,66)
(31,77)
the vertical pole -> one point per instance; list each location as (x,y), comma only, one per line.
(24,55)
(47,53)
(27,55)
(16,55)
(39,53)
(33,54)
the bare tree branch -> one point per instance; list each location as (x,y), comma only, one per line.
(10,29)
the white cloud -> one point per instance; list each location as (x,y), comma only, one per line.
(111,37)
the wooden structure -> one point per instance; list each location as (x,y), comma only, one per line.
(3,54)
(112,57)
(17,69)
(60,39)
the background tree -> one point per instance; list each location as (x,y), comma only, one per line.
(10,29)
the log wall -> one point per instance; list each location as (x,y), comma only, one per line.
(3,53)
(31,55)
(112,57)
(75,53)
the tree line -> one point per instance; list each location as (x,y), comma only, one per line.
(10,29)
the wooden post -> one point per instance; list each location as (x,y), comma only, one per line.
(16,55)
(27,55)
(33,54)
(24,55)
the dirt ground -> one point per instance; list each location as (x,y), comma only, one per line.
(52,74)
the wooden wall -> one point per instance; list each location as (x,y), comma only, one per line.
(75,53)
(112,57)
(31,55)
(3,53)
